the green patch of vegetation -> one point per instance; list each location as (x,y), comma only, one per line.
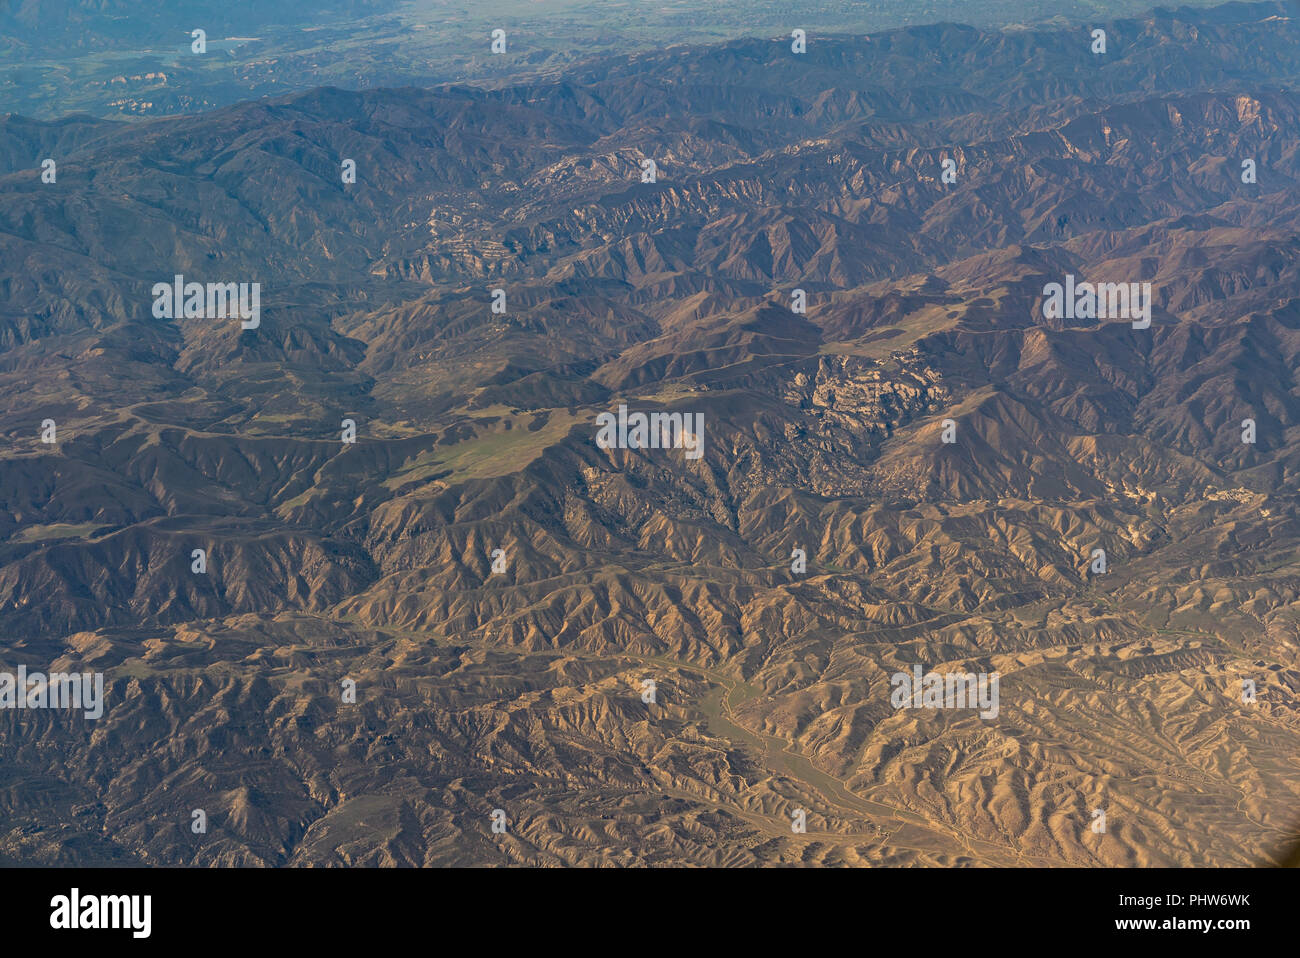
(498,453)
(57,530)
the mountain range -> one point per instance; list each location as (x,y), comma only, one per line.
(947,455)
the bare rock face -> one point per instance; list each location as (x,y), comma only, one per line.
(685,652)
